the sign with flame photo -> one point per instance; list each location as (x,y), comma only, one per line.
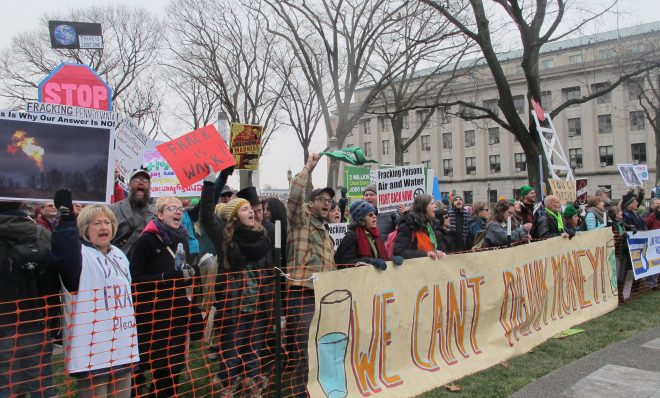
(41,153)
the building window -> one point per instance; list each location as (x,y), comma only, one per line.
(519,104)
(469,138)
(444,115)
(367,149)
(406,122)
(470,165)
(637,120)
(605,53)
(547,64)
(521,161)
(637,48)
(605,98)
(467,197)
(604,124)
(421,116)
(367,127)
(638,153)
(406,163)
(606,155)
(575,153)
(384,123)
(571,93)
(575,59)
(448,167)
(466,110)
(426,163)
(546,100)
(426,143)
(494,161)
(492,196)
(493,135)
(635,88)
(349,145)
(386,147)
(491,105)
(574,127)
(446,140)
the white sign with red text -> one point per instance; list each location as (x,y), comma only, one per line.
(399,186)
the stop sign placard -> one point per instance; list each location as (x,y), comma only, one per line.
(76,85)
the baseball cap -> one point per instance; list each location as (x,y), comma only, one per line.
(137,172)
(319,191)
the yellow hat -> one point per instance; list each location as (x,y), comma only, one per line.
(230,209)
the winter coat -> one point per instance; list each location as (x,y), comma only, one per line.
(652,221)
(406,245)
(476,225)
(496,236)
(594,219)
(632,220)
(162,308)
(546,226)
(460,236)
(22,290)
(386,223)
(130,223)
(527,212)
(347,252)
(446,241)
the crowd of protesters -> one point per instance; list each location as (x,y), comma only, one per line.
(129,274)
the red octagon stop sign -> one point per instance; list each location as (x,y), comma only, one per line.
(76,85)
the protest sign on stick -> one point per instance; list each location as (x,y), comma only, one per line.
(163,180)
(189,154)
(563,190)
(42,153)
(337,232)
(356,180)
(130,145)
(629,175)
(246,145)
(399,185)
(581,190)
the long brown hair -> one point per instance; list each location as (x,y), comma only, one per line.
(228,234)
(499,210)
(419,207)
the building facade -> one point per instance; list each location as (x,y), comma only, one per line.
(482,161)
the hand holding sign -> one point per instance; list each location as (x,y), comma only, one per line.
(190,154)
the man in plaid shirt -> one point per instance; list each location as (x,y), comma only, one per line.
(309,250)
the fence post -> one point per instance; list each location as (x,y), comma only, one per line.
(278,310)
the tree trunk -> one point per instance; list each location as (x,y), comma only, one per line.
(397,129)
(656,131)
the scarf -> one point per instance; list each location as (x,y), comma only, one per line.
(254,244)
(558,217)
(426,239)
(598,213)
(368,246)
(168,234)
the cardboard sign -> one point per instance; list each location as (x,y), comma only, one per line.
(130,145)
(163,180)
(43,153)
(642,172)
(77,85)
(337,232)
(564,190)
(581,190)
(629,175)
(356,180)
(189,154)
(245,144)
(399,185)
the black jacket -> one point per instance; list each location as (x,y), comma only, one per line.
(405,245)
(347,252)
(546,226)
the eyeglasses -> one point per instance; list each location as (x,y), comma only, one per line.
(141,179)
(324,200)
(175,208)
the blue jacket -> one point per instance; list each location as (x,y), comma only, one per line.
(192,239)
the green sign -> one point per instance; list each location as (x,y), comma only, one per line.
(356,179)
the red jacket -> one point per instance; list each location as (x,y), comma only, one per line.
(652,222)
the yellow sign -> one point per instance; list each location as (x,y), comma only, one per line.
(245,144)
(564,190)
(373,335)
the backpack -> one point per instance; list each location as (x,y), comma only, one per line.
(391,240)
(26,258)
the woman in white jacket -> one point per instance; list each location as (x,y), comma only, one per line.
(100,336)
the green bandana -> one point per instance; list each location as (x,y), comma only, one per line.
(352,155)
(431,232)
(560,221)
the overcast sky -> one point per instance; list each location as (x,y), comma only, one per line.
(283,152)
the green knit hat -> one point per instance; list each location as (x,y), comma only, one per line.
(569,211)
(524,190)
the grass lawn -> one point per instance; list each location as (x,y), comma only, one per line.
(500,381)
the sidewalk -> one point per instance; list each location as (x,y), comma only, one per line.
(630,368)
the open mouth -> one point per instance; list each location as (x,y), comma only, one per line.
(103,235)
(177,219)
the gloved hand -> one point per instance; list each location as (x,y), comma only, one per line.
(211,176)
(227,172)
(397,260)
(188,273)
(63,202)
(377,263)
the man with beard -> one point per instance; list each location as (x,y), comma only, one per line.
(604,194)
(134,212)
(527,202)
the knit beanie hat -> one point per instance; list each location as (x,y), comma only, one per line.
(569,211)
(524,190)
(371,188)
(218,209)
(230,209)
(628,198)
(359,210)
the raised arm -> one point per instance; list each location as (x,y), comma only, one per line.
(296,201)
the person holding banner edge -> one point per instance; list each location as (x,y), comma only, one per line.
(416,235)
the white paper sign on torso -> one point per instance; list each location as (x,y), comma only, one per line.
(399,185)
(337,232)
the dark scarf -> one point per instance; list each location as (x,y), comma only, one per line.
(598,213)
(170,235)
(365,248)
(253,244)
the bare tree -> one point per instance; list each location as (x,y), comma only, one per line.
(341,36)
(649,100)
(201,103)
(536,23)
(132,38)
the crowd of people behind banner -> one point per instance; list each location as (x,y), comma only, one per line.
(126,275)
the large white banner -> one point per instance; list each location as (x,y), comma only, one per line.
(644,250)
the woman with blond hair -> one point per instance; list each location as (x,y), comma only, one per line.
(100,343)
(163,309)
